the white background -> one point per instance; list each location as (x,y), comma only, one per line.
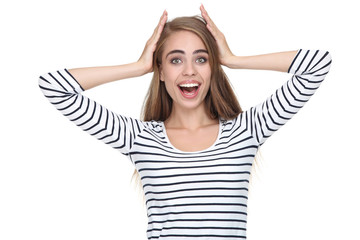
(56,182)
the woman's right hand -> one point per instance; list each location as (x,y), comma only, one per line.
(94,76)
(146,59)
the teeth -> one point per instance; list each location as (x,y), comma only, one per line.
(189,85)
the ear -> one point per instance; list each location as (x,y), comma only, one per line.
(161,74)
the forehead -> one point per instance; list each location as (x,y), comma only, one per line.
(183,40)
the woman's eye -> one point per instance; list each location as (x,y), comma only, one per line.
(201,60)
(175,60)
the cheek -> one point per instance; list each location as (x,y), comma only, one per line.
(206,73)
(168,73)
(205,70)
(170,89)
(207,77)
(170,76)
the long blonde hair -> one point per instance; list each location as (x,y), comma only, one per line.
(220,101)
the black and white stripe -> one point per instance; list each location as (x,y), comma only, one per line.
(309,69)
(193,194)
(63,91)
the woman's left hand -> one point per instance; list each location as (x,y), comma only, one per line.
(226,55)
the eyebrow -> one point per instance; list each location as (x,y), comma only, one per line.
(183,52)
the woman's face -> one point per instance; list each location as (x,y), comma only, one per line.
(185,69)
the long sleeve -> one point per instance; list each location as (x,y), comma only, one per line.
(309,69)
(64,92)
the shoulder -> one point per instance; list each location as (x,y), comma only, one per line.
(228,124)
(152,125)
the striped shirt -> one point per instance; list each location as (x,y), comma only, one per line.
(201,194)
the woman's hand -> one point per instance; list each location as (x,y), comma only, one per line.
(95,76)
(226,56)
(146,59)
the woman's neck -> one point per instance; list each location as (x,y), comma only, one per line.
(191,119)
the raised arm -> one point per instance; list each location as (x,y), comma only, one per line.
(94,76)
(63,89)
(309,68)
(273,61)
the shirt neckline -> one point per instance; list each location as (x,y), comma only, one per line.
(192,152)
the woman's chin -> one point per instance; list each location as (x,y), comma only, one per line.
(189,104)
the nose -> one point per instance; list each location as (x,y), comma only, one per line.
(189,69)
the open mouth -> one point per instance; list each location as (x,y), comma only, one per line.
(189,90)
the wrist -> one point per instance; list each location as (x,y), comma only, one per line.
(143,67)
(125,71)
(233,61)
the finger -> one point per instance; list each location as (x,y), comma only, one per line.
(205,14)
(161,24)
(158,30)
(210,24)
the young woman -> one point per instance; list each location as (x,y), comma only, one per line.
(194,147)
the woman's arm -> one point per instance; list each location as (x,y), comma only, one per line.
(63,89)
(274,61)
(309,68)
(95,76)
